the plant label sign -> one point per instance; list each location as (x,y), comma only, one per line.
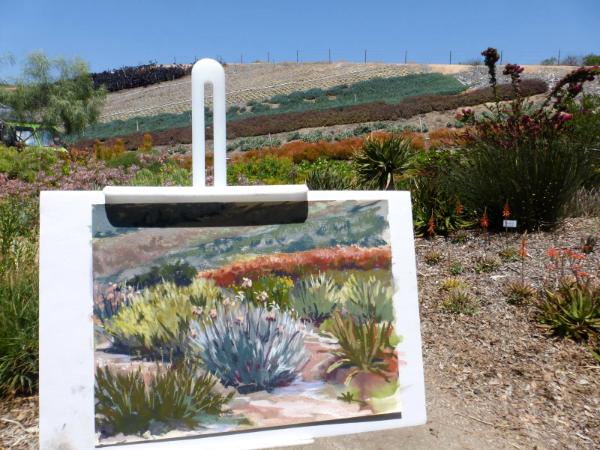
(509,223)
(227,325)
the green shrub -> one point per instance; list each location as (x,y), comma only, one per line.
(156,324)
(181,273)
(364,347)
(535,157)
(382,158)
(433,257)
(572,311)
(27,163)
(518,293)
(326,174)
(250,348)
(173,397)
(486,264)
(124,160)
(18,297)
(267,170)
(168,174)
(436,209)
(367,299)
(315,298)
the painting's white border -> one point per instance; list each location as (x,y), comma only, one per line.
(66,330)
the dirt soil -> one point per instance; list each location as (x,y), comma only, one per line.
(494,379)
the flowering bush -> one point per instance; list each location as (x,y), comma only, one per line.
(250,348)
(268,291)
(526,154)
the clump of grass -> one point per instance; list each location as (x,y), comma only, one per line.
(459,301)
(509,254)
(172,398)
(518,293)
(18,297)
(433,257)
(450,284)
(486,264)
(459,237)
(456,268)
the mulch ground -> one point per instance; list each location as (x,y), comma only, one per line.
(500,369)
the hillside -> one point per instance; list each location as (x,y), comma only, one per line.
(259,81)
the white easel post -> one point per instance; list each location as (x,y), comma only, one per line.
(208,71)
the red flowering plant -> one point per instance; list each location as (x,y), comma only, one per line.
(570,305)
(535,154)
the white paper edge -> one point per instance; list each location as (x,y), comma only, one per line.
(67,383)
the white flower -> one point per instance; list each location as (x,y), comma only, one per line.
(246,282)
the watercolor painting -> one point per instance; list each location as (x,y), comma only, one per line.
(208,330)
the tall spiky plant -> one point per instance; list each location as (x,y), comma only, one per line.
(380,158)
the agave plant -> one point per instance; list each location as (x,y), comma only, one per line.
(364,347)
(572,311)
(173,397)
(382,158)
(250,348)
(315,298)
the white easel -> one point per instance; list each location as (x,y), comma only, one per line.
(206,71)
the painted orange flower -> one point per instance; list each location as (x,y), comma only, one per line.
(506,210)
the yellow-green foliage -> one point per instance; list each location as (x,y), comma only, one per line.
(156,323)
(27,163)
(367,299)
(450,284)
(203,293)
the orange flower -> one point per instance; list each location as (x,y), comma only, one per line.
(523,247)
(431,226)
(485,221)
(553,252)
(506,210)
(459,208)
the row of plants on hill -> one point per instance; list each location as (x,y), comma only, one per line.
(278,122)
(388,90)
(129,77)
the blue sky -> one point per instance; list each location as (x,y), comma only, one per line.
(109,33)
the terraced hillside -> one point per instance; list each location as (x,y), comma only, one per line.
(260,81)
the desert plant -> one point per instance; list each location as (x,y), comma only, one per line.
(364,347)
(456,268)
(250,348)
(174,397)
(156,324)
(573,310)
(380,159)
(450,284)
(518,292)
(367,299)
(509,254)
(486,264)
(459,301)
(433,257)
(315,298)
(329,177)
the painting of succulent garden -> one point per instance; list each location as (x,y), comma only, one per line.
(207,330)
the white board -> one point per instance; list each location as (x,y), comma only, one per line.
(66,330)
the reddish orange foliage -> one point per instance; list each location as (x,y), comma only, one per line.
(301,263)
(447,137)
